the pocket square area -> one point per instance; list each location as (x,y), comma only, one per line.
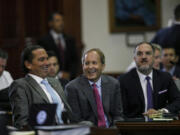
(162,91)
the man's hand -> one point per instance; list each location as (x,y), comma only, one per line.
(150,112)
(64,75)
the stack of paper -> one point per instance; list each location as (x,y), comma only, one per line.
(22,133)
(63,130)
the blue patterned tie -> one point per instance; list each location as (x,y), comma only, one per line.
(149,94)
(55,98)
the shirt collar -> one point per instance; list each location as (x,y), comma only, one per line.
(142,76)
(171,71)
(98,83)
(37,78)
(55,35)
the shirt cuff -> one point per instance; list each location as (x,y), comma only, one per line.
(164,110)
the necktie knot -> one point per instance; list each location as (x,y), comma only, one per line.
(148,78)
(94,85)
(45,82)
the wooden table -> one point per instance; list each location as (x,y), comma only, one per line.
(149,128)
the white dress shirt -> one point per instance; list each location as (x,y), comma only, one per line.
(56,38)
(39,80)
(5,80)
(143,82)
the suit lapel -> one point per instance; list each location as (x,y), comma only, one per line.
(58,88)
(88,92)
(138,86)
(36,87)
(155,88)
(105,95)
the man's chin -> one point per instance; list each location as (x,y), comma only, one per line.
(44,75)
(145,70)
(144,67)
(91,78)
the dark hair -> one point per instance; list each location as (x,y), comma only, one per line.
(177,12)
(98,51)
(3,54)
(27,55)
(51,54)
(169,47)
(148,43)
(51,16)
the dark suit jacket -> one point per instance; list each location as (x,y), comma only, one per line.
(63,82)
(165,93)
(26,91)
(176,71)
(169,36)
(70,56)
(81,99)
(4,100)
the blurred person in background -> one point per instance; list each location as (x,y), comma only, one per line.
(169,59)
(63,45)
(53,68)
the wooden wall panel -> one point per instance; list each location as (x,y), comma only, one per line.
(7,18)
(12,33)
(24,20)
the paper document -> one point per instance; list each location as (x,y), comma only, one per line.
(63,130)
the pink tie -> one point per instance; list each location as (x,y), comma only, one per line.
(100,111)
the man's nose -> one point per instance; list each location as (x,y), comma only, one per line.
(144,55)
(90,65)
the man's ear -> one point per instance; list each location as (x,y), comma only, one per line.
(27,64)
(103,67)
(176,58)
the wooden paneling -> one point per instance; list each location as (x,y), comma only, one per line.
(23,21)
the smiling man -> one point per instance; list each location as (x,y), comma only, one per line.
(35,87)
(92,96)
(146,90)
(169,62)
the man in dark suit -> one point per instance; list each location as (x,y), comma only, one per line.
(169,59)
(94,97)
(63,45)
(170,35)
(31,89)
(145,90)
